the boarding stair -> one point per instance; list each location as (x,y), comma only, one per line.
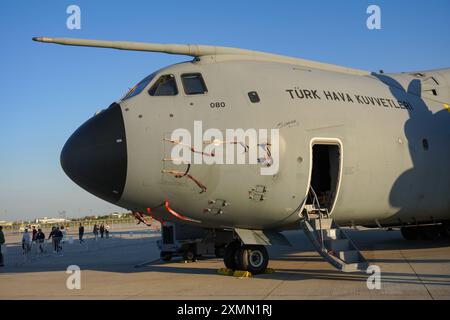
(329,240)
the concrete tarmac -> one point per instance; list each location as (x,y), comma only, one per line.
(122,268)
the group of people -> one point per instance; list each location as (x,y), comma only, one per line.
(104,230)
(57,235)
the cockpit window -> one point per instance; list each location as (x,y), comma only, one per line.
(193,83)
(139,87)
(165,86)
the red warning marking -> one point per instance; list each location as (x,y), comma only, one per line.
(176,214)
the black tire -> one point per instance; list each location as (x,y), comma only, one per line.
(229,257)
(219,251)
(254,258)
(430,233)
(445,230)
(165,256)
(410,233)
(238,259)
(189,255)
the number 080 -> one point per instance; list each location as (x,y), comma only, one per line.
(217,104)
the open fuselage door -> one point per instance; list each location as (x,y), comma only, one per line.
(330,241)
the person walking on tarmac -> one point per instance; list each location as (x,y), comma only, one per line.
(52,236)
(34,233)
(64,234)
(102,230)
(26,246)
(81,233)
(95,231)
(2,243)
(107,231)
(40,238)
(58,237)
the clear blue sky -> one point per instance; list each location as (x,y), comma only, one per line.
(48,91)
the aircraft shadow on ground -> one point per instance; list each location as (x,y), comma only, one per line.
(301,256)
(319,274)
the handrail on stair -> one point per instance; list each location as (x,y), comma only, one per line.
(337,249)
(316,200)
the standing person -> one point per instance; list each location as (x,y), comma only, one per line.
(102,230)
(64,234)
(26,242)
(34,233)
(40,238)
(33,236)
(2,243)
(52,236)
(107,230)
(95,231)
(81,233)
(58,237)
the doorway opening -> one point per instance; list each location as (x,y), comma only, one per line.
(325,174)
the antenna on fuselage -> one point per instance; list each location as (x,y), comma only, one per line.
(197,51)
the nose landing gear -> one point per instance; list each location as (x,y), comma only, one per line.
(251,258)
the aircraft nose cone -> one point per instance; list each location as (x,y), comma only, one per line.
(95,156)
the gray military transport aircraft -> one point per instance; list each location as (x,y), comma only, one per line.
(356,148)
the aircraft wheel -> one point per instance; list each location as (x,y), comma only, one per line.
(429,232)
(165,256)
(219,251)
(229,257)
(410,233)
(445,230)
(254,258)
(188,255)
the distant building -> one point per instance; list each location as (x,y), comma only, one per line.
(117,215)
(6,223)
(46,220)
